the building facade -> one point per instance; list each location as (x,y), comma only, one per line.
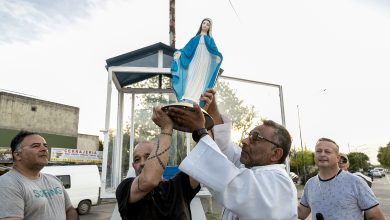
(57,123)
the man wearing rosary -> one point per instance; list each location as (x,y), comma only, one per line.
(148,196)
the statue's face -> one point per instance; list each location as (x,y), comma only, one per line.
(206,25)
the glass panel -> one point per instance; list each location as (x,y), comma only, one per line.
(112,131)
(167,60)
(246,103)
(146,130)
(152,83)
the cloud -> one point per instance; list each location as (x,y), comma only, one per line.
(27,20)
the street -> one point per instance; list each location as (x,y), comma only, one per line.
(101,212)
(381,188)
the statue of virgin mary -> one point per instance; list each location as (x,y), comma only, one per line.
(195,67)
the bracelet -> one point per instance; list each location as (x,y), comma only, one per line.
(165,133)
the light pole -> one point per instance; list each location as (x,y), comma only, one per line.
(303,158)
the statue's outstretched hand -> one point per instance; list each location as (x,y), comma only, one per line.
(218,60)
(176,55)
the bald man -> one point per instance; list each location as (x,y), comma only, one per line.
(148,196)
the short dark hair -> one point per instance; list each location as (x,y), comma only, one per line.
(281,136)
(17,140)
(329,140)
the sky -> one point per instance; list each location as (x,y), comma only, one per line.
(331,57)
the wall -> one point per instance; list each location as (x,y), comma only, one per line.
(88,142)
(57,123)
(21,112)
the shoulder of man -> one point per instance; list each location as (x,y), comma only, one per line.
(355,178)
(9,179)
(349,176)
(311,181)
(51,178)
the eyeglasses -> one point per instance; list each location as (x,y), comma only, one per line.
(343,160)
(255,136)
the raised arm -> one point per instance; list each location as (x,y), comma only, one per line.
(242,191)
(222,128)
(211,106)
(154,167)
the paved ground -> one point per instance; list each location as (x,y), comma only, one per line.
(381,188)
(101,212)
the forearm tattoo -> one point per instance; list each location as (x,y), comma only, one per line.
(157,155)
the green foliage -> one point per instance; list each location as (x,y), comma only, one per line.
(233,107)
(384,156)
(100,145)
(357,161)
(296,160)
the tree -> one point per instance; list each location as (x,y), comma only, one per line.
(144,127)
(228,102)
(296,162)
(358,161)
(296,158)
(233,107)
(384,156)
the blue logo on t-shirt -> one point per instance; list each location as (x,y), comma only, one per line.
(47,192)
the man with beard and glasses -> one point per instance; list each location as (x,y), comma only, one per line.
(25,192)
(250,182)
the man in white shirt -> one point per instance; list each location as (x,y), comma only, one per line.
(251,183)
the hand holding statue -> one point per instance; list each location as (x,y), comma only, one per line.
(161,119)
(209,99)
(192,119)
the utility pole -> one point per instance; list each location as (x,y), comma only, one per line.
(296,159)
(172,23)
(300,136)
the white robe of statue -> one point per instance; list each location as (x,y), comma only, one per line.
(197,72)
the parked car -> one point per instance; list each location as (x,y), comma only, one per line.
(81,182)
(376,173)
(381,170)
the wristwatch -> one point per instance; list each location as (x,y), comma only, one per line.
(198,134)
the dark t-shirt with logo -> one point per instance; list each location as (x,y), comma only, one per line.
(170,200)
